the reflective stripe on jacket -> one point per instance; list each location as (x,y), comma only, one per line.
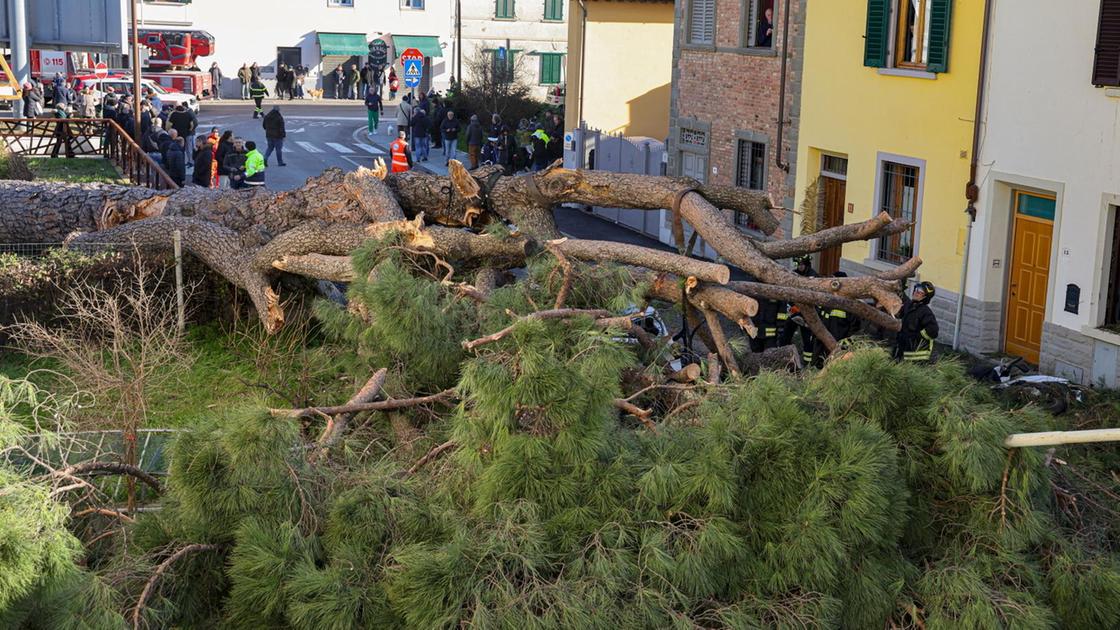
(254,163)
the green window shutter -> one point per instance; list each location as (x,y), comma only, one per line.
(550,68)
(940,18)
(503,9)
(554,9)
(878,36)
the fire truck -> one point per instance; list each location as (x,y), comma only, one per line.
(173,61)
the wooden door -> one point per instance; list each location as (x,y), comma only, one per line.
(1032,236)
(834,196)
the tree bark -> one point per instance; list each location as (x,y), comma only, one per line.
(251,237)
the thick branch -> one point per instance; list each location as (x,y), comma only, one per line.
(827,300)
(432,454)
(816,326)
(381,405)
(881,225)
(336,425)
(603,251)
(722,347)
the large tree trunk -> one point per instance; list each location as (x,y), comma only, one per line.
(251,236)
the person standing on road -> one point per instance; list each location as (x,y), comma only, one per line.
(254,73)
(421,136)
(404,115)
(282,84)
(339,81)
(438,113)
(400,154)
(367,77)
(373,110)
(225,145)
(246,77)
(215,81)
(274,134)
(254,165)
(540,148)
(88,103)
(258,91)
(353,78)
(203,163)
(175,158)
(184,122)
(234,164)
(474,140)
(449,130)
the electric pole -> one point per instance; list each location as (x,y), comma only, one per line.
(459,43)
(136,75)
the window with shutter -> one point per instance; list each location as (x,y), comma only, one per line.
(503,9)
(550,68)
(702,22)
(554,10)
(1106,61)
(877,37)
(937,35)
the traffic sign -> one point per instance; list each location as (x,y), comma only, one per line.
(412,61)
(101,70)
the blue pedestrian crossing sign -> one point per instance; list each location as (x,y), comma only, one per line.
(413,62)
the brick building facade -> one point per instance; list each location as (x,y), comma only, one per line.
(724,108)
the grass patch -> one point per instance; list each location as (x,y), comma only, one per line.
(75,170)
(226,369)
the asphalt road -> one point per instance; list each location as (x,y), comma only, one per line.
(319,137)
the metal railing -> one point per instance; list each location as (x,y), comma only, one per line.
(73,137)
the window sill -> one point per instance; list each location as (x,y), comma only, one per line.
(505,19)
(902,72)
(553,20)
(752,51)
(704,47)
(1112,92)
(1101,335)
(879,265)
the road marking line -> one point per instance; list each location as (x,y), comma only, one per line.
(341,148)
(310,148)
(369,149)
(324,118)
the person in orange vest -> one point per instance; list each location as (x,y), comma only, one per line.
(400,153)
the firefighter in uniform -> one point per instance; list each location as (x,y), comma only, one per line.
(400,154)
(257,91)
(767,320)
(840,323)
(919,325)
(790,319)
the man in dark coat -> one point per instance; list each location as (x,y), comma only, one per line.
(175,158)
(449,128)
(184,121)
(274,134)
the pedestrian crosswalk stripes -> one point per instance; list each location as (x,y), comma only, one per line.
(310,148)
(369,148)
(341,148)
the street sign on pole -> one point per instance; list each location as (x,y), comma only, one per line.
(101,70)
(412,62)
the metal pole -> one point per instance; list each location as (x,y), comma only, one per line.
(135,74)
(21,67)
(459,42)
(177,240)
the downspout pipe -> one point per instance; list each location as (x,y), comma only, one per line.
(582,58)
(782,91)
(972,189)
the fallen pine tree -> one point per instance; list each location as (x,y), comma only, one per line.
(512,461)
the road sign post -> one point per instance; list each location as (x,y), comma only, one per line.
(412,62)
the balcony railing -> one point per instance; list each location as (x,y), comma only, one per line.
(73,137)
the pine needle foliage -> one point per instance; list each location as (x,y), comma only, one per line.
(870,494)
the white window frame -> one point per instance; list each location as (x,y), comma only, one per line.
(873,259)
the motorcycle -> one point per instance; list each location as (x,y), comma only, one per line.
(1052,393)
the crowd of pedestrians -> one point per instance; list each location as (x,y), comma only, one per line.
(433,122)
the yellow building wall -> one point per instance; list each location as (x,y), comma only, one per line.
(849,109)
(629,67)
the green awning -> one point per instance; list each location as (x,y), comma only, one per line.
(427,44)
(343,44)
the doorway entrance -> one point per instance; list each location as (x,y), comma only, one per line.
(834,183)
(1032,234)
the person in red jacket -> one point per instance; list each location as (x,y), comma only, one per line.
(400,154)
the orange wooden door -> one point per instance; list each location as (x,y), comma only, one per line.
(1030,273)
(834,193)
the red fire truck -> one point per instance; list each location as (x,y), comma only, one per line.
(173,62)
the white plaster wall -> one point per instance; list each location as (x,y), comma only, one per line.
(528,32)
(251,30)
(1047,127)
